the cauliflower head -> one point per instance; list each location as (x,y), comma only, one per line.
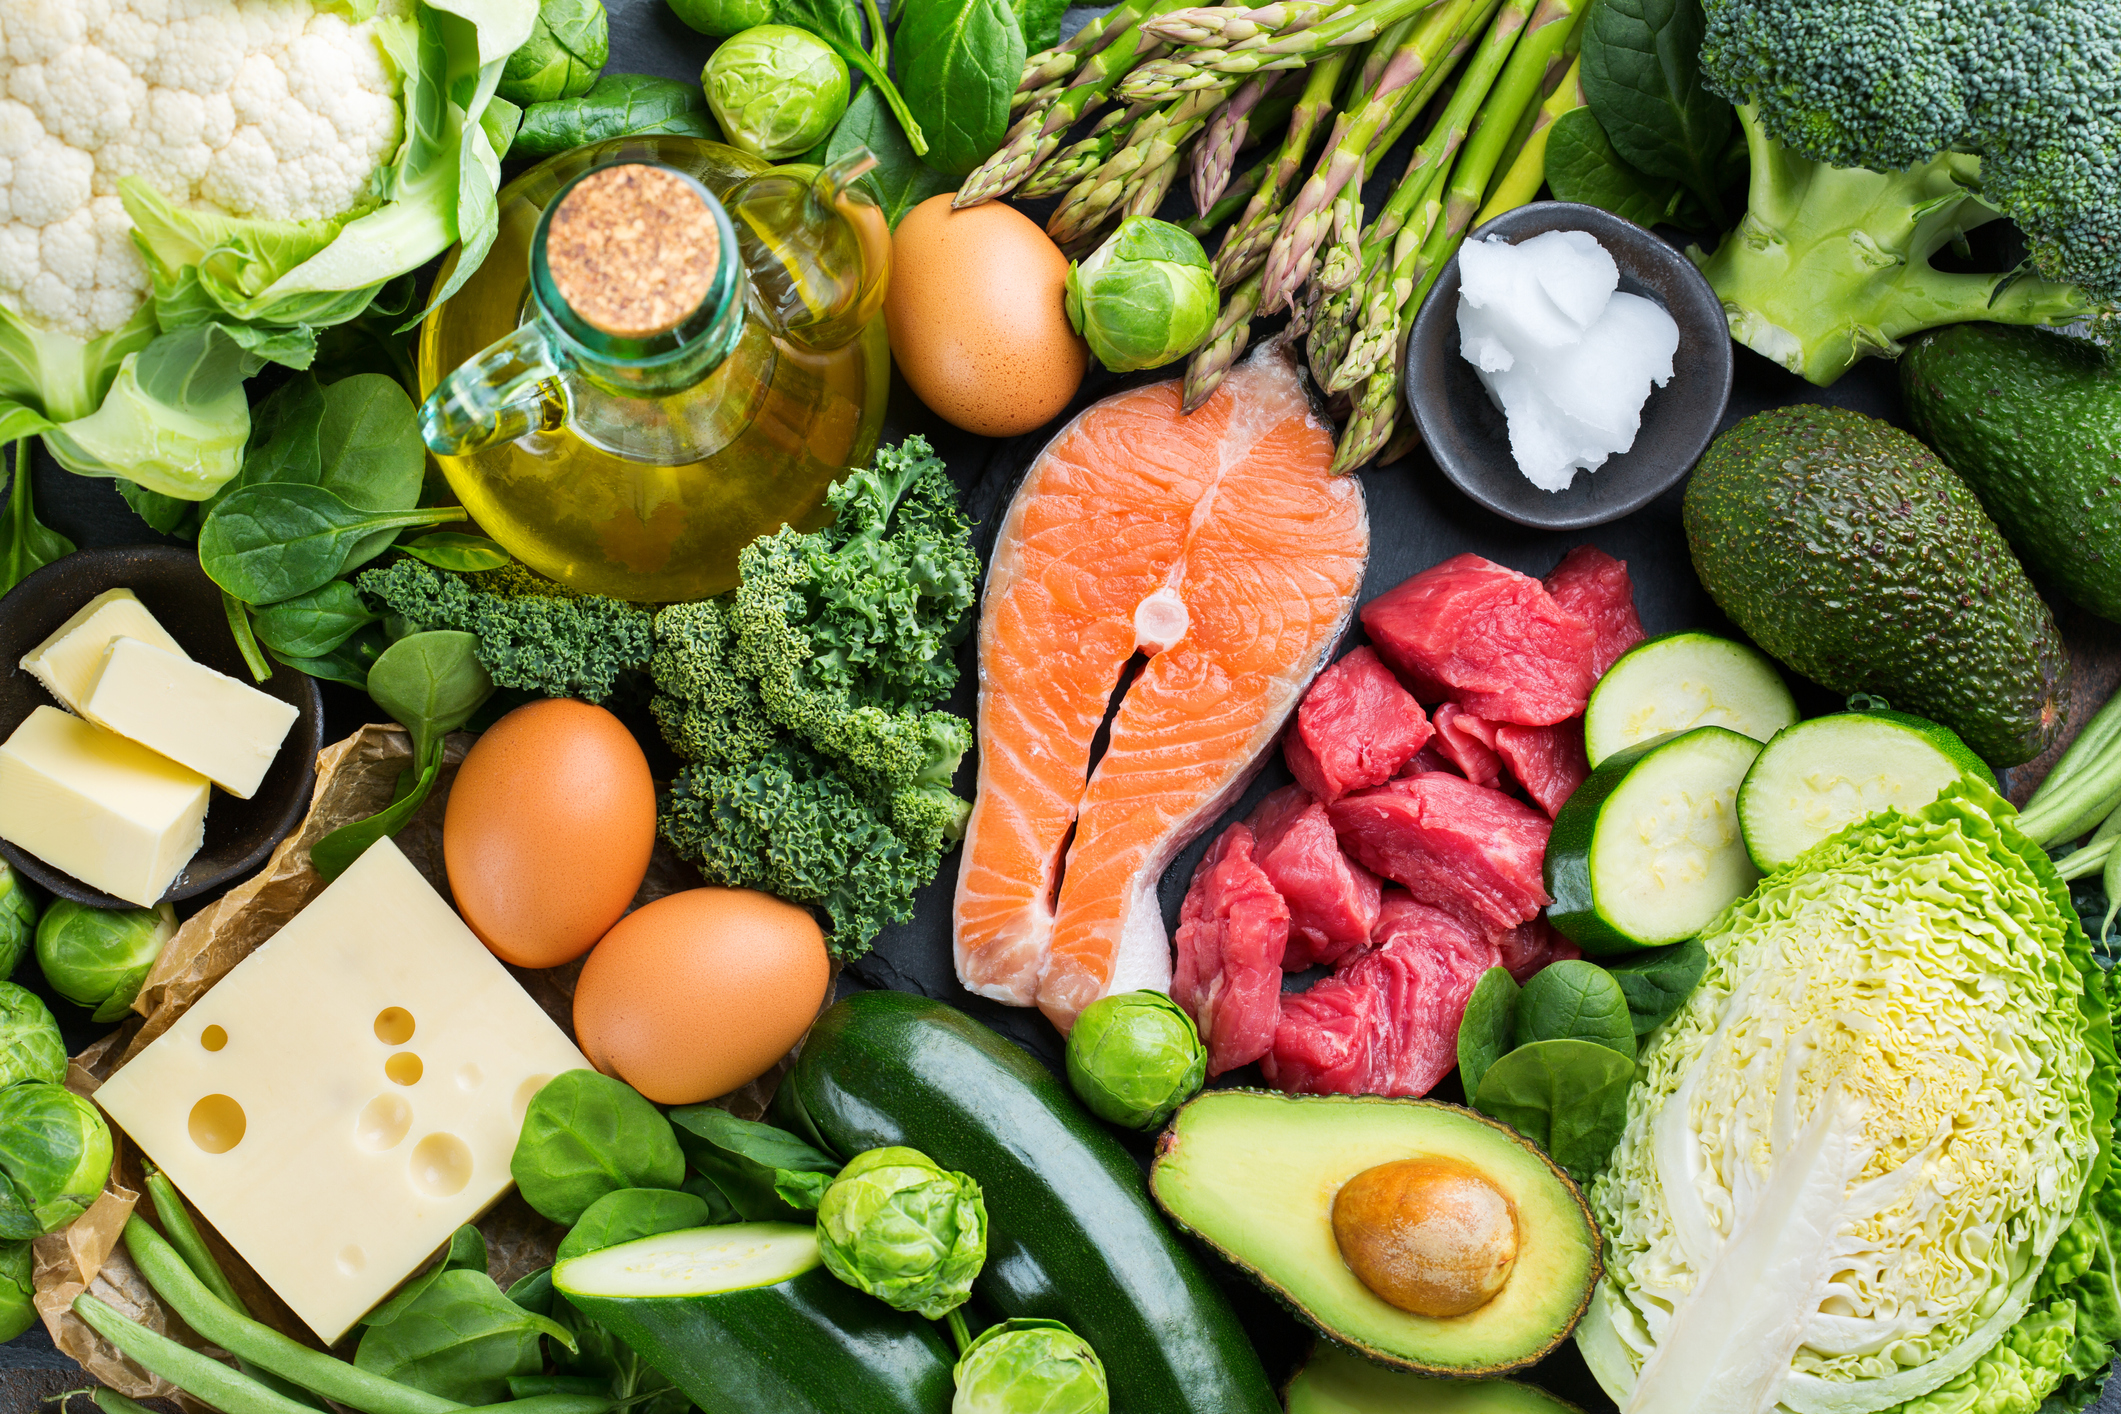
(278,110)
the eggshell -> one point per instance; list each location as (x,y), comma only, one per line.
(978,318)
(698,993)
(548,831)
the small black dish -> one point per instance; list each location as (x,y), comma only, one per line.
(169,582)
(1466,433)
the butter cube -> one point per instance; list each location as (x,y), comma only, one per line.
(227,731)
(349,1094)
(108,811)
(68,661)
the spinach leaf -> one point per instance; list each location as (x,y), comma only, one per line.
(617,105)
(368,343)
(1040,21)
(959,63)
(271,542)
(1642,79)
(466,1252)
(286,434)
(314,624)
(334,854)
(165,515)
(1568,1097)
(767,1174)
(26,543)
(719,1209)
(900,181)
(628,1214)
(460,1338)
(534,1292)
(1575,1000)
(370,452)
(450,550)
(839,25)
(586,1135)
(348,663)
(1484,1032)
(1582,166)
(1658,983)
(246,641)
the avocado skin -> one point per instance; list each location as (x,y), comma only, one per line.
(2032,420)
(1845,548)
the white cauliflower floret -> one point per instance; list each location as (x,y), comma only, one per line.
(270,109)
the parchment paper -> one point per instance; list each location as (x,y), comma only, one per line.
(355,779)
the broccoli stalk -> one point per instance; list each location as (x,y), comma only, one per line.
(1832,264)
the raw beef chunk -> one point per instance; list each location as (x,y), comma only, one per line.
(1549,762)
(1471,851)
(1357,726)
(1332,899)
(1232,931)
(1387,1023)
(1595,587)
(1488,638)
(1530,946)
(1468,743)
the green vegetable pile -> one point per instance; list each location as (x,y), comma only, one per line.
(804,703)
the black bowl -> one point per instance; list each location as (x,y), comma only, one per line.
(239,833)
(1466,433)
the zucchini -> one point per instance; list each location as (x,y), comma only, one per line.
(1071,1233)
(1648,851)
(1818,776)
(1678,681)
(747,1317)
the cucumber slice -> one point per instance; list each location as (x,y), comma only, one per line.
(1816,777)
(1648,851)
(1678,681)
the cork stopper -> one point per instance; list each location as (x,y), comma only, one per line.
(633,250)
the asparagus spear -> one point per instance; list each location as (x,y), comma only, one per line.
(1245,244)
(1527,170)
(1234,199)
(1056,64)
(1212,67)
(1065,169)
(1222,25)
(1216,152)
(1154,141)
(1213,360)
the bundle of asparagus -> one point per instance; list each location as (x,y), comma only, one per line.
(1150,86)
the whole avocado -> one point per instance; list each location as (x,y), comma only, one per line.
(1846,549)
(2032,420)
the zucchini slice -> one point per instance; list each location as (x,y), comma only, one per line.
(1648,850)
(1677,681)
(1816,777)
(747,1317)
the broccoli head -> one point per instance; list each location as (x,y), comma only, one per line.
(1881,132)
(534,635)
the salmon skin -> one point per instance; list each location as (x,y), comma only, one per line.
(1215,544)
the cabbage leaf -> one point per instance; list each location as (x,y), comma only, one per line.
(1867,1166)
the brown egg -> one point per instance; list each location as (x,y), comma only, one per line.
(700,992)
(548,831)
(977,316)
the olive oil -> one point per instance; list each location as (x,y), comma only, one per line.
(640,472)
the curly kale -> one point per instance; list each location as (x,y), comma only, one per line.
(804,702)
(534,635)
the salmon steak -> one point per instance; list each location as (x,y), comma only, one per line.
(1215,546)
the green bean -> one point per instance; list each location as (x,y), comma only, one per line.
(183,1234)
(2084,862)
(2085,785)
(226,1326)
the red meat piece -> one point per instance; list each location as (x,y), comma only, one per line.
(1332,899)
(1530,946)
(1469,744)
(1356,727)
(1466,849)
(1549,762)
(1426,760)
(1387,1023)
(1595,587)
(1488,638)
(1232,931)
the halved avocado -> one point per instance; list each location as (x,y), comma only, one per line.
(1256,1174)
(1335,1382)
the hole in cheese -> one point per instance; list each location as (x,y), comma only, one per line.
(470,1078)
(213,1038)
(403,1068)
(383,1123)
(351,1259)
(394,1026)
(440,1166)
(526,1092)
(217,1124)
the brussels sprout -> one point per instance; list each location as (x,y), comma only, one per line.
(563,56)
(1134,1057)
(98,957)
(905,1231)
(30,1046)
(18,920)
(1030,1366)
(1145,297)
(54,1156)
(18,1312)
(722,18)
(776,90)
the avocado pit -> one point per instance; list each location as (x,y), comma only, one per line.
(1430,1236)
